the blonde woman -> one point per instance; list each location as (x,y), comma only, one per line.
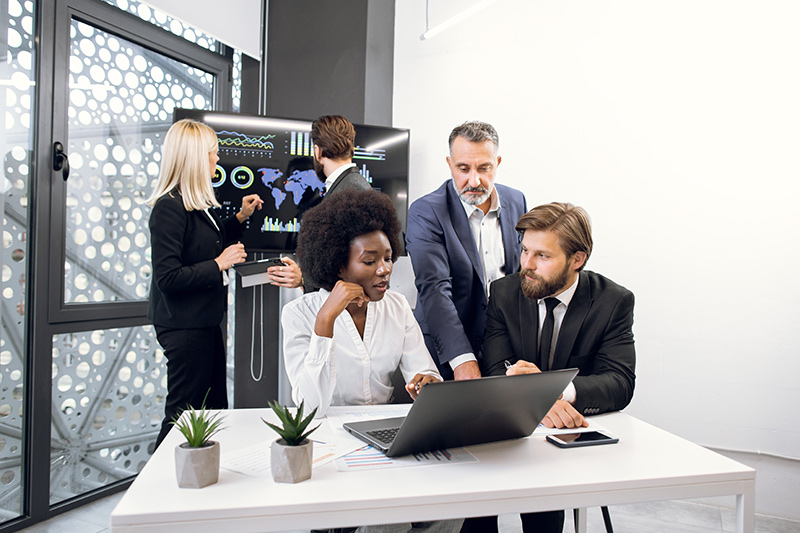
(192,248)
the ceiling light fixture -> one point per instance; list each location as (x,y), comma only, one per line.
(439,28)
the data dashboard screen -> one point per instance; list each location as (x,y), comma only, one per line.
(273,157)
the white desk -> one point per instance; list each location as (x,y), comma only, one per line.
(523,475)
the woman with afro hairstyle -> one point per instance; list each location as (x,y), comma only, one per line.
(343,343)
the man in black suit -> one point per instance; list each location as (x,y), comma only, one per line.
(554,315)
(334,145)
(333,137)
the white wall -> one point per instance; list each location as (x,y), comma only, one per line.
(677,126)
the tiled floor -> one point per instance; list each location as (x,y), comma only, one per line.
(91,518)
(657,517)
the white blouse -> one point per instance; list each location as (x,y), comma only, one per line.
(346,369)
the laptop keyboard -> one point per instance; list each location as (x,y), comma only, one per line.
(384,435)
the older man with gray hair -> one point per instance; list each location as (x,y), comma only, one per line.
(461,237)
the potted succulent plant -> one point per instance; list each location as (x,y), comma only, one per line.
(197,459)
(291,455)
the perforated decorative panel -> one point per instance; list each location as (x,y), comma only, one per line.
(16,92)
(108,386)
(121,101)
(162,20)
(108,401)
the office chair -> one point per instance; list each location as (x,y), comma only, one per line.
(400,393)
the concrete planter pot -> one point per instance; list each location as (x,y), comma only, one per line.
(291,464)
(196,468)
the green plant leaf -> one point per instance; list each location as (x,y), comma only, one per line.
(283,413)
(293,430)
(198,426)
(304,424)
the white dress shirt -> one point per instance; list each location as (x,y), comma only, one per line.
(558,317)
(489,241)
(346,369)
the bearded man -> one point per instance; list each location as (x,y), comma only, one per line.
(334,138)
(461,238)
(554,315)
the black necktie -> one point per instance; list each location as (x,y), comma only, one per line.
(545,358)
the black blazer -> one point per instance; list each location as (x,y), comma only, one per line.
(349,179)
(187,289)
(596,337)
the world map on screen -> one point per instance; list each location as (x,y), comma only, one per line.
(299,183)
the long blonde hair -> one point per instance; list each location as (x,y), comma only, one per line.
(184,165)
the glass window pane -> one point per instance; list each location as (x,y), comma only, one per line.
(108,401)
(16,93)
(162,20)
(191,34)
(121,101)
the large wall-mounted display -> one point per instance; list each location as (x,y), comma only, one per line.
(273,157)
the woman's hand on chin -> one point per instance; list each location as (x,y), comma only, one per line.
(342,295)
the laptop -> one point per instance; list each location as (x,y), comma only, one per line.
(463,413)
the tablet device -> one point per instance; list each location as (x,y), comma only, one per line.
(250,268)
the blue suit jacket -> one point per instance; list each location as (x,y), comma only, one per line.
(451,307)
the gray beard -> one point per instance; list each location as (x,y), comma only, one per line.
(474,200)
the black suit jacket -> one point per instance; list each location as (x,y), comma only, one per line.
(187,289)
(349,179)
(596,337)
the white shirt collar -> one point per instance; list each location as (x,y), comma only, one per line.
(336,173)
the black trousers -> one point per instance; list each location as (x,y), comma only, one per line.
(195,366)
(547,522)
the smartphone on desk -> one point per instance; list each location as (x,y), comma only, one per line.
(586,438)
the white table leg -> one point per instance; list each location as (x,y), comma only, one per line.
(580,523)
(746,509)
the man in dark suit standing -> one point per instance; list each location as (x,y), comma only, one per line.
(555,315)
(460,238)
(334,145)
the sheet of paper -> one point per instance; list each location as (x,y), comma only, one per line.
(541,430)
(343,415)
(331,449)
(254,460)
(251,460)
(368,458)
